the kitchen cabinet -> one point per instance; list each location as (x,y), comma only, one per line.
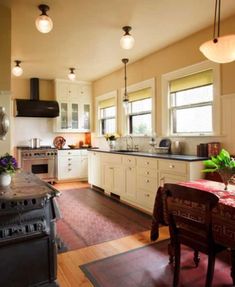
(136,178)
(72,164)
(113,174)
(94,168)
(74,100)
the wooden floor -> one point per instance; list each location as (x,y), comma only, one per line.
(69,273)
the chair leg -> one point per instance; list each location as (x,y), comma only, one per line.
(171,253)
(177,264)
(210,270)
(233,265)
(196,258)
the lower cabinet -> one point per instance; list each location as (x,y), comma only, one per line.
(136,178)
(72,164)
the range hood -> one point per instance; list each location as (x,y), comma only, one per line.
(34,107)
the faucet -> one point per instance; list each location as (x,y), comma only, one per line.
(131,146)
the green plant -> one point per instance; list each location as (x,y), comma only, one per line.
(8,164)
(111,137)
(222,161)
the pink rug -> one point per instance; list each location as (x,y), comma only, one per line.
(148,267)
(90,217)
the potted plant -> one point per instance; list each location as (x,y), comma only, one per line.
(224,164)
(8,166)
(111,138)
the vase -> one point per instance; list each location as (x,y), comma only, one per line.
(112,145)
(5,179)
(226,175)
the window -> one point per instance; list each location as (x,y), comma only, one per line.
(106,113)
(191,101)
(139,117)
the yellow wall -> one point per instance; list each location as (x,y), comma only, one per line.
(183,53)
(5,50)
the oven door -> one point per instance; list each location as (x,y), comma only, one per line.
(42,167)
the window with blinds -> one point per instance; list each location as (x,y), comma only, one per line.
(191,103)
(107,116)
(140,112)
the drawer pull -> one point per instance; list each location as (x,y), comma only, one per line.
(147,162)
(111,168)
(147,194)
(69,164)
(69,158)
(129,160)
(147,181)
(147,172)
(171,166)
(130,168)
(69,169)
(69,152)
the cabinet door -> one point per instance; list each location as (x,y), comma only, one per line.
(84,117)
(130,183)
(108,178)
(74,116)
(94,169)
(64,116)
(83,167)
(118,180)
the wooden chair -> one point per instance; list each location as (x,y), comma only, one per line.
(189,215)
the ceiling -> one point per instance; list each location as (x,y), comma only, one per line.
(86,33)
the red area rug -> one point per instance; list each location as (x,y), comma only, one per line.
(90,217)
(148,267)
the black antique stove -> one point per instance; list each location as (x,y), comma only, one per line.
(28,251)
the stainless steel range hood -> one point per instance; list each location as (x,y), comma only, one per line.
(34,107)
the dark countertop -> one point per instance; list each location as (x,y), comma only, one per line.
(154,155)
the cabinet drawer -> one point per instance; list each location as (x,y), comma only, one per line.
(146,199)
(129,160)
(173,166)
(69,152)
(148,172)
(112,158)
(147,183)
(147,162)
(171,178)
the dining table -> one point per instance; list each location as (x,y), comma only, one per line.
(223,214)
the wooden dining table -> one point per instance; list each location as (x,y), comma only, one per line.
(223,215)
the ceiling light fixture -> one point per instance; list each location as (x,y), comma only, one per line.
(127,41)
(220,49)
(72,75)
(125,100)
(17,70)
(43,22)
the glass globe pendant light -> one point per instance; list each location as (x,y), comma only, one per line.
(43,22)
(72,75)
(220,49)
(125,100)
(127,41)
(17,70)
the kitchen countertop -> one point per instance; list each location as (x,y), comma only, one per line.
(154,155)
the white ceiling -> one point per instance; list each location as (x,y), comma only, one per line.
(86,33)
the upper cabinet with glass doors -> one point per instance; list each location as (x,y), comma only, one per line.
(74,99)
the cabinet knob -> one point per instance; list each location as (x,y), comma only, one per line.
(130,168)
(147,162)
(69,169)
(171,166)
(147,172)
(147,194)
(147,181)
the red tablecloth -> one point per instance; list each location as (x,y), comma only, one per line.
(223,218)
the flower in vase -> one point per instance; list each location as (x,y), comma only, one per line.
(8,164)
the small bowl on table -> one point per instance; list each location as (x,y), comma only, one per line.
(71,146)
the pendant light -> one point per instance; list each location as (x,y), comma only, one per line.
(43,22)
(127,41)
(72,75)
(125,100)
(17,70)
(220,49)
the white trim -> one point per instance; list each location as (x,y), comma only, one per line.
(150,83)
(196,68)
(109,95)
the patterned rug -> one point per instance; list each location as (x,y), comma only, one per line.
(148,267)
(89,218)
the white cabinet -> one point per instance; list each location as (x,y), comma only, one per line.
(94,168)
(74,99)
(113,174)
(72,164)
(136,178)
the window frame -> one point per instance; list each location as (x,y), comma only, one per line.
(150,83)
(167,123)
(103,119)
(109,95)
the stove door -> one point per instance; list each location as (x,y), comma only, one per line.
(42,167)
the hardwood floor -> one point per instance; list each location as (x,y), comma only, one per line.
(69,273)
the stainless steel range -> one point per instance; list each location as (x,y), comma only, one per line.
(40,161)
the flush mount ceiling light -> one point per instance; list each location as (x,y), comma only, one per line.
(43,22)
(72,75)
(17,70)
(220,49)
(127,41)
(125,100)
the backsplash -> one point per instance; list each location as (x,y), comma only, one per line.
(26,128)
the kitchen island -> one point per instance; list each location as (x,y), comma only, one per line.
(134,177)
